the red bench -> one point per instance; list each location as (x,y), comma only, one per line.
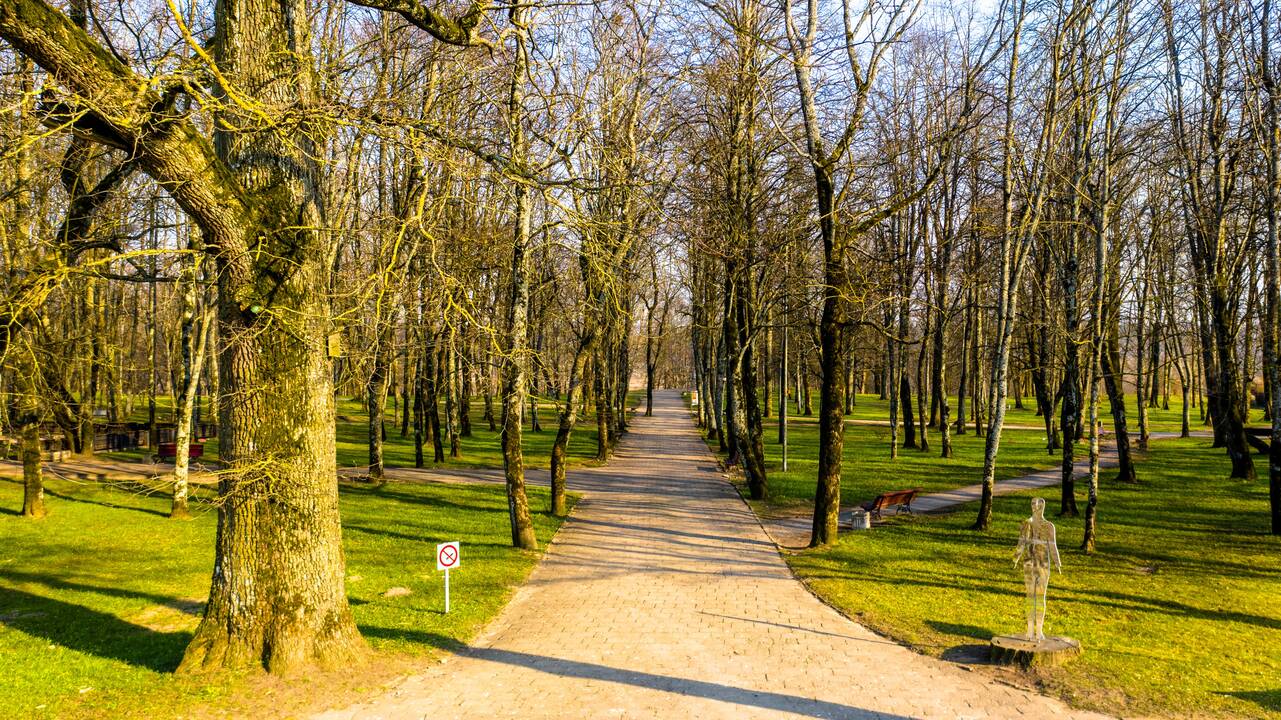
(168,452)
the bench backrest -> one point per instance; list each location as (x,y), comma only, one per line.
(897,497)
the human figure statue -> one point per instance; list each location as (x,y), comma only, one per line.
(1039,553)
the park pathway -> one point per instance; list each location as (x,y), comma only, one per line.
(662,597)
(793,531)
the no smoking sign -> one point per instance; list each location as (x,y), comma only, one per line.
(447,556)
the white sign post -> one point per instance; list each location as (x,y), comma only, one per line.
(448,557)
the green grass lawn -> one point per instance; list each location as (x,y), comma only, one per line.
(867,469)
(98,600)
(1178,610)
(870,407)
(483,449)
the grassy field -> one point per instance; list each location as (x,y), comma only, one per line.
(482,449)
(870,407)
(1177,610)
(98,600)
(868,470)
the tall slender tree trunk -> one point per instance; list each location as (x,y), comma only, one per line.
(195,339)
(1014,245)
(1114,382)
(568,416)
(515,359)
(966,332)
(753,432)
(1273,265)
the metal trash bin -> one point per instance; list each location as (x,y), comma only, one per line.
(862,520)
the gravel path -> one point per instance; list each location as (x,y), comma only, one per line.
(662,597)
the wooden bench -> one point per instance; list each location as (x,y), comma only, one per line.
(900,500)
(168,452)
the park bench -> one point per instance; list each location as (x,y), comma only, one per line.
(900,500)
(167,452)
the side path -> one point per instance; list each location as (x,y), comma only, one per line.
(662,597)
(793,532)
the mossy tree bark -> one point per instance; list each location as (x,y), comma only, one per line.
(277,597)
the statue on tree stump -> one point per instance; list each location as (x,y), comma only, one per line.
(1038,551)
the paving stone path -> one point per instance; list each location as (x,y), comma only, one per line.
(662,597)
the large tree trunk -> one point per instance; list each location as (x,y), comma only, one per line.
(516,355)
(940,369)
(26,419)
(905,401)
(514,362)
(420,407)
(278,596)
(733,366)
(831,423)
(465,387)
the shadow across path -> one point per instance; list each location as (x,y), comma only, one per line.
(682,686)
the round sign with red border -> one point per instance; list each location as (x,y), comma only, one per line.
(448,556)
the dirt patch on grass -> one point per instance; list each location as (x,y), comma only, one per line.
(270,697)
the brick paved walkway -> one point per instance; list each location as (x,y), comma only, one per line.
(662,597)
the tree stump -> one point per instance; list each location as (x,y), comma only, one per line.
(1026,653)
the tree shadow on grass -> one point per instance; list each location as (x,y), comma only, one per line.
(388,492)
(103,503)
(968,653)
(1266,699)
(1093,597)
(71,498)
(59,583)
(86,630)
(969,631)
(417,637)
